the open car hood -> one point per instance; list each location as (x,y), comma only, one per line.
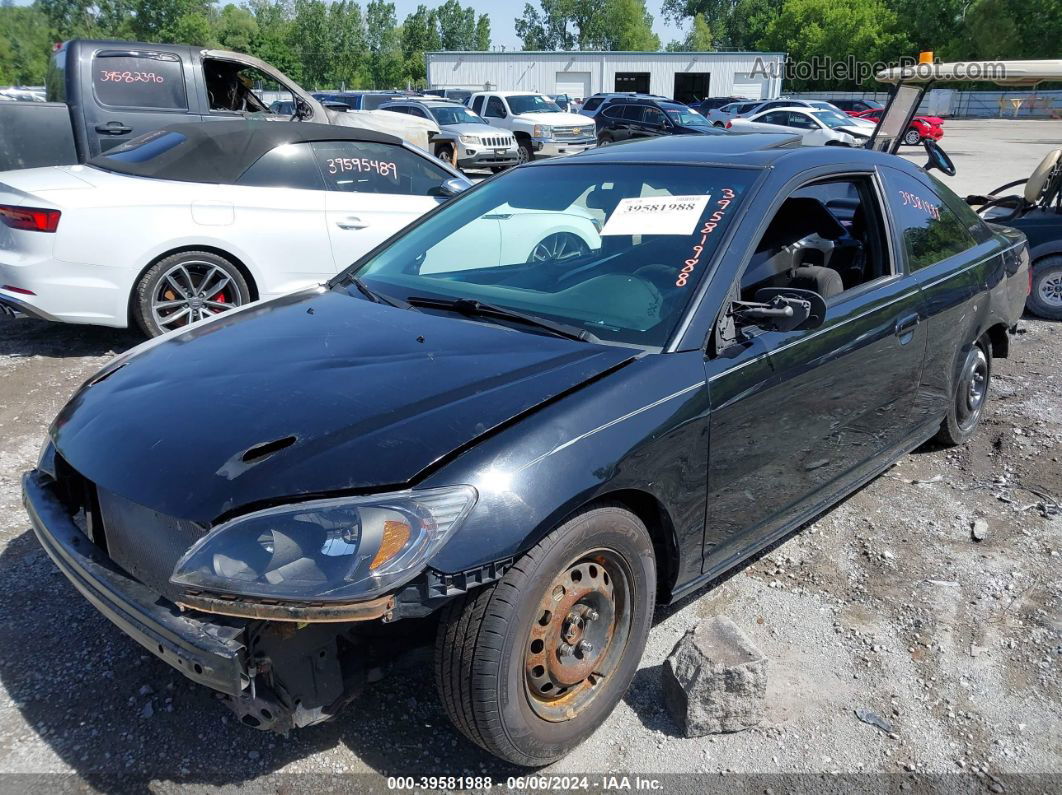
(314,393)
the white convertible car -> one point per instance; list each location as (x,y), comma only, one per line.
(816,126)
(189,221)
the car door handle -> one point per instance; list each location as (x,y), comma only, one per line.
(905,327)
(351,222)
(113,128)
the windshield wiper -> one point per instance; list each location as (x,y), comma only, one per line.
(471,307)
(379,298)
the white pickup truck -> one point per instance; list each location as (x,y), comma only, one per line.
(541,128)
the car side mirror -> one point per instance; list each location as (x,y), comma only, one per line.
(782,309)
(938,158)
(302,110)
(450,188)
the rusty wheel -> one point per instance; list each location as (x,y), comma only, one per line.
(529,666)
(582,628)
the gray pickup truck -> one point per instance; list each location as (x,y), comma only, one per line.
(103,93)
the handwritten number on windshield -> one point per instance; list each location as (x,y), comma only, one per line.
(709,226)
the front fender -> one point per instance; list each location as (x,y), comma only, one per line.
(640,429)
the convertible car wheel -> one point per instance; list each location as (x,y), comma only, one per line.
(1045,300)
(186,287)
(971,392)
(912,137)
(530,666)
(559,246)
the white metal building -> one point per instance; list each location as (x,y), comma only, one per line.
(682,75)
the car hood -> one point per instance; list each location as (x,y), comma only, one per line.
(857,131)
(556,119)
(330,393)
(471,129)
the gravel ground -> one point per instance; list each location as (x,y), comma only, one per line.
(885,603)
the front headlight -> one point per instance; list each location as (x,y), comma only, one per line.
(326,550)
(542,131)
(469,139)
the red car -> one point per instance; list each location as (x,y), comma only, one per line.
(922,127)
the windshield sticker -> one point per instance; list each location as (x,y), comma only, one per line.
(656,215)
(690,265)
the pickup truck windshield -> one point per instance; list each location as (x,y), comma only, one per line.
(531,103)
(613,249)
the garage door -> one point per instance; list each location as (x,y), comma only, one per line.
(574,84)
(745,85)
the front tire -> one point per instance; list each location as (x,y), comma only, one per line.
(969,396)
(525,153)
(912,137)
(528,667)
(1045,300)
(445,152)
(184,288)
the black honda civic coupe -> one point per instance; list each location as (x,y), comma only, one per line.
(575,391)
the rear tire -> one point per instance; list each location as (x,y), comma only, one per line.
(1045,300)
(528,667)
(169,295)
(969,395)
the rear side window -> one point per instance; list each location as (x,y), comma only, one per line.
(633,112)
(364,167)
(477,105)
(139,80)
(286,166)
(931,231)
(613,112)
(592,103)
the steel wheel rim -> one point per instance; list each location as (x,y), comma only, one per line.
(558,246)
(578,635)
(973,387)
(1049,289)
(912,138)
(191,291)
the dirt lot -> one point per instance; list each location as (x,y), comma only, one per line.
(885,603)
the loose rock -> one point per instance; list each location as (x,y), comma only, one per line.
(715,679)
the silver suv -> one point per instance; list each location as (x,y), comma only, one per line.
(471,142)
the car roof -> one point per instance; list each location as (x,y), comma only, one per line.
(219,152)
(755,150)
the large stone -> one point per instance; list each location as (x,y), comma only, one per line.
(715,679)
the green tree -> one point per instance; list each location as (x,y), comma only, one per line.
(386,66)
(420,34)
(483,32)
(350,64)
(24,45)
(236,29)
(622,25)
(699,39)
(313,41)
(587,25)
(275,41)
(457,26)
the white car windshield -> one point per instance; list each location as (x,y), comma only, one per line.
(832,118)
(615,250)
(455,115)
(531,103)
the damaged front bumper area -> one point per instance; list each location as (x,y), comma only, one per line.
(211,653)
(275,670)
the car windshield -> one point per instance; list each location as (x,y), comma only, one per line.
(686,117)
(832,118)
(873,103)
(457,114)
(531,103)
(616,250)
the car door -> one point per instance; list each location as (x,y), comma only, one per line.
(812,133)
(373,190)
(495,112)
(799,417)
(126,93)
(773,121)
(279,220)
(654,123)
